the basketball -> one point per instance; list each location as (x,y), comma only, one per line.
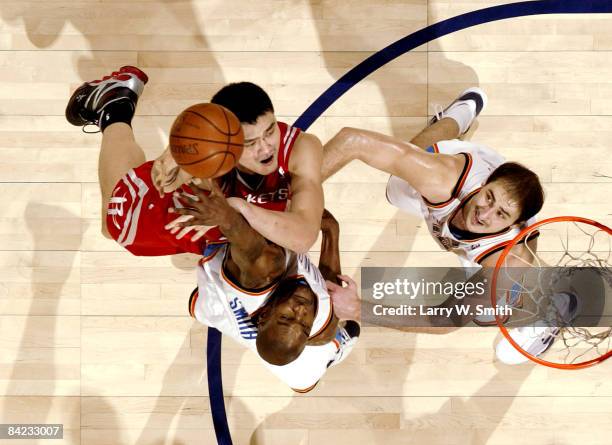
(206,140)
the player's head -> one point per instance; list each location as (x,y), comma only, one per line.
(284,323)
(511,195)
(253,107)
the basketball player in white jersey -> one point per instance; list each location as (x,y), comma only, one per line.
(267,298)
(473,201)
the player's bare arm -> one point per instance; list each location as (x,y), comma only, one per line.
(329,266)
(168,176)
(254,261)
(298,227)
(433,175)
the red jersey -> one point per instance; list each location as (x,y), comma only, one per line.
(271,191)
(136,214)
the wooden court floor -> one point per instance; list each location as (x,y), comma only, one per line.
(101,341)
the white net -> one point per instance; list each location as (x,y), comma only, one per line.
(560,311)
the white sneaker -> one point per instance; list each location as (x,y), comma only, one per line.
(513,299)
(463,110)
(535,340)
(346,339)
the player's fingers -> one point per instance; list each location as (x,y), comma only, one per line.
(183,197)
(184,232)
(177,220)
(348,280)
(199,234)
(331,286)
(180,226)
(214,188)
(184,211)
(200,193)
(190,203)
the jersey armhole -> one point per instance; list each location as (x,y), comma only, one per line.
(286,147)
(458,185)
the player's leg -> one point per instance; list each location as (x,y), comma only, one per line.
(119,153)
(442,130)
(109,103)
(454,121)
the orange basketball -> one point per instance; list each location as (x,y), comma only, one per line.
(206,140)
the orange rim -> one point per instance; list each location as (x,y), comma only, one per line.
(500,321)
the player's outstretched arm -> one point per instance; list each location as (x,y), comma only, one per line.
(329,261)
(255,261)
(298,227)
(432,175)
(329,266)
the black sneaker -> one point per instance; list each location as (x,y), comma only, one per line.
(87,103)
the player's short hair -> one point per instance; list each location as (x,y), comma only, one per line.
(276,351)
(522,184)
(245,99)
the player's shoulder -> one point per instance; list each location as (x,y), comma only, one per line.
(307,147)
(308,140)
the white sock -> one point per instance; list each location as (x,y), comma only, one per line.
(463,113)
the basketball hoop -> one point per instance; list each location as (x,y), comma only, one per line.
(573,261)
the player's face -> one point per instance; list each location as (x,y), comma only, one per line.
(491,210)
(292,318)
(261,142)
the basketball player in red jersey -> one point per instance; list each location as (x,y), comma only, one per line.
(278,163)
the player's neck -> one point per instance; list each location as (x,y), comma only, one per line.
(458,220)
(253,179)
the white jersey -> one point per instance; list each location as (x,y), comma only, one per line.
(222,303)
(480,163)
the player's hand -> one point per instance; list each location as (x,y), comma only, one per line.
(211,210)
(176,228)
(167,176)
(347,304)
